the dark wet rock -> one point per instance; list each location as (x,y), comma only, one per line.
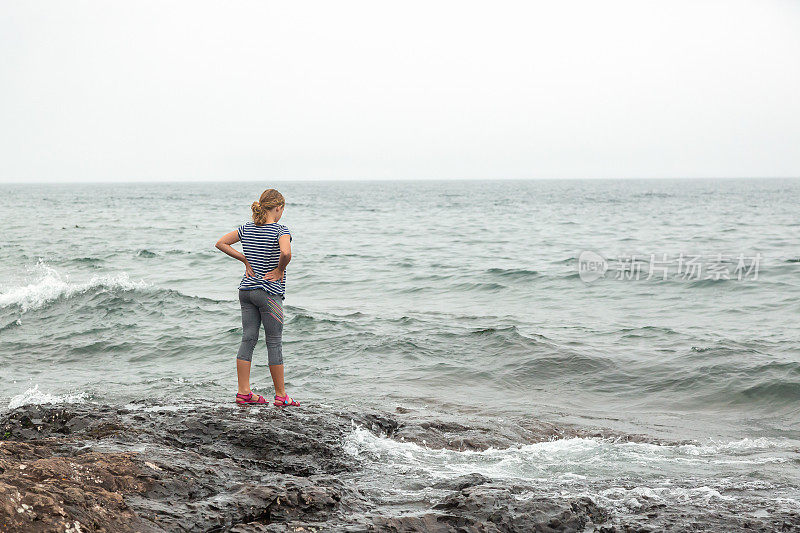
(207,467)
(500,507)
(496,509)
(462,482)
(380,424)
(202,469)
(449,432)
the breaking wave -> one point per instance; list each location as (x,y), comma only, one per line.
(34,396)
(50,286)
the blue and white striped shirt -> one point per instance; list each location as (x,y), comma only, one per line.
(261,248)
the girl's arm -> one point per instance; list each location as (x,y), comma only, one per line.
(224,244)
(286,256)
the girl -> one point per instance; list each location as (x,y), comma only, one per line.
(266,253)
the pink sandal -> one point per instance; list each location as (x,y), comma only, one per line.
(284,401)
(249,398)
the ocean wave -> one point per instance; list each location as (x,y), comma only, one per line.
(646,332)
(86,261)
(653,194)
(306,319)
(769,392)
(565,455)
(566,261)
(12,324)
(506,332)
(479,285)
(34,396)
(514,273)
(51,286)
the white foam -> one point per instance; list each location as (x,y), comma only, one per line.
(569,461)
(49,285)
(156,408)
(363,440)
(635,497)
(745,444)
(34,396)
(585,467)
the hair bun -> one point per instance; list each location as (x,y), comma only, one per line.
(269,200)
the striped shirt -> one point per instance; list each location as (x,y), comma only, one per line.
(260,246)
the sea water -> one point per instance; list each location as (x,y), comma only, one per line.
(665,308)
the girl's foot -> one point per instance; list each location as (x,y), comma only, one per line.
(284,401)
(249,398)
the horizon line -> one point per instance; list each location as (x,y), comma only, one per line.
(45,181)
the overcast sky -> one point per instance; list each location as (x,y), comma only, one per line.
(154,90)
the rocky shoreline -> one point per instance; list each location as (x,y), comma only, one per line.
(87,467)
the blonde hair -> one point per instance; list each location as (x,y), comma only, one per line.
(269,199)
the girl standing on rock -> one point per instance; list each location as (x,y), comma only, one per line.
(267,251)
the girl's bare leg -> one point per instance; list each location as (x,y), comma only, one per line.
(277,378)
(243,374)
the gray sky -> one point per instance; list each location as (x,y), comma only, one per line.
(153,90)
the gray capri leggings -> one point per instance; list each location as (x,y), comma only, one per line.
(259,307)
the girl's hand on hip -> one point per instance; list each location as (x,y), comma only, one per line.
(248,271)
(274,275)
